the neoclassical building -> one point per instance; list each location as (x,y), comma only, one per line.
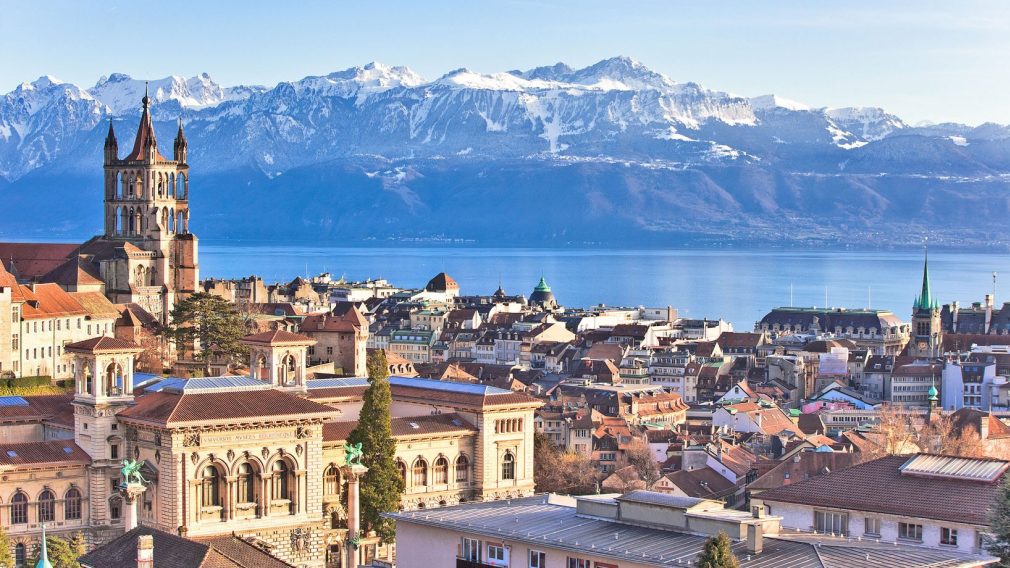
(256,456)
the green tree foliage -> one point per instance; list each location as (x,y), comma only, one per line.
(207,326)
(61,554)
(382,486)
(717,554)
(997,542)
(6,556)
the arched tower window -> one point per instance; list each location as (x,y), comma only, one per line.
(210,487)
(47,506)
(462,469)
(72,504)
(419,475)
(401,467)
(114,379)
(281,480)
(89,386)
(440,471)
(19,509)
(508,466)
(246,483)
(171,221)
(130,227)
(331,480)
(182,189)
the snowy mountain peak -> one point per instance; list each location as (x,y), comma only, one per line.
(374,77)
(622,73)
(122,93)
(767,102)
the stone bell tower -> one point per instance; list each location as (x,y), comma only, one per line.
(103,372)
(927,331)
(147,205)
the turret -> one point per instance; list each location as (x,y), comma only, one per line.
(111,146)
(180,145)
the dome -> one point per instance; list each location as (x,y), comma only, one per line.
(932,393)
(543,296)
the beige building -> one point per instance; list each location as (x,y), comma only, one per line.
(340,339)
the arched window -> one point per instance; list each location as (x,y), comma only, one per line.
(440,471)
(420,472)
(508,466)
(281,473)
(130,222)
(261,368)
(210,487)
(402,468)
(182,189)
(288,369)
(19,509)
(246,484)
(171,221)
(19,554)
(89,386)
(331,481)
(462,469)
(72,504)
(47,507)
(113,380)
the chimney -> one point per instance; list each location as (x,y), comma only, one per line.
(145,551)
(989,299)
(983,427)
(755,538)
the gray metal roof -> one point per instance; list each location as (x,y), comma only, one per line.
(334,383)
(657,498)
(208,384)
(448,386)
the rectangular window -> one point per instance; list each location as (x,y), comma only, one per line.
(579,563)
(497,555)
(114,451)
(871,526)
(831,523)
(538,559)
(470,549)
(910,531)
(948,536)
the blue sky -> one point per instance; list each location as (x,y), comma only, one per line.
(941,61)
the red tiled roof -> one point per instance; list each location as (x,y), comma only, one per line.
(35,454)
(75,271)
(802,466)
(53,301)
(96,304)
(441,282)
(878,486)
(144,132)
(703,482)
(33,260)
(39,407)
(738,339)
(172,409)
(102,344)
(278,337)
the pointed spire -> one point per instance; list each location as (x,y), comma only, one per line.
(44,558)
(110,138)
(925,300)
(146,145)
(147,98)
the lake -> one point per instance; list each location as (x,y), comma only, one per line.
(737,285)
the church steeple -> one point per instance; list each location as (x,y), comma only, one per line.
(145,148)
(180,145)
(925,300)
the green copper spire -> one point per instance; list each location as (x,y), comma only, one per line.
(44,558)
(542,286)
(925,300)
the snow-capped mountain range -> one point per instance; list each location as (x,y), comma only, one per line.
(391,126)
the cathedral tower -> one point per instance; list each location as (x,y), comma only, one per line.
(147,206)
(927,334)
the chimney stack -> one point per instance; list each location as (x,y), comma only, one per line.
(145,551)
(755,538)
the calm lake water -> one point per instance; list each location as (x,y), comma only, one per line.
(736,285)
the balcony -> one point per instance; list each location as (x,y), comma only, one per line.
(462,563)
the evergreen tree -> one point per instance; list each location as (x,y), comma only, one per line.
(206,325)
(6,556)
(997,542)
(382,486)
(717,554)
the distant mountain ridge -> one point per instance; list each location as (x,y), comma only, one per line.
(378,152)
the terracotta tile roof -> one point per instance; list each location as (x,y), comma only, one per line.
(104,344)
(146,318)
(728,339)
(78,270)
(36,454)
(173,409)
(96,304)
(278,337)
(33,260)
(145,132)
(606,351)
(703,482)
(441,282)
(171,551)
(53,301)
(347,323)
(802,466)
(878,486)
(39,407)
(972,420)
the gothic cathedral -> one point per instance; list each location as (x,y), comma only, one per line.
(147,218)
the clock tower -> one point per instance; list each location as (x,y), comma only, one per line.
(927,333)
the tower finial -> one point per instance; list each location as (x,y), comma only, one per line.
(44,558)
(147,98)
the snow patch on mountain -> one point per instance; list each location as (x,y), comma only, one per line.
(766,102)
(122,93)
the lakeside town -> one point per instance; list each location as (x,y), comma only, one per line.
(149,413)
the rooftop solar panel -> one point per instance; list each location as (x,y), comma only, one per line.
(13,401)
(954,467)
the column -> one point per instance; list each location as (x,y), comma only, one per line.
(353,474)
(265,494)
(230,500)
(130,493)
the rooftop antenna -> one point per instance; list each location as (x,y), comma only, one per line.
(790,294)
(869,298)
